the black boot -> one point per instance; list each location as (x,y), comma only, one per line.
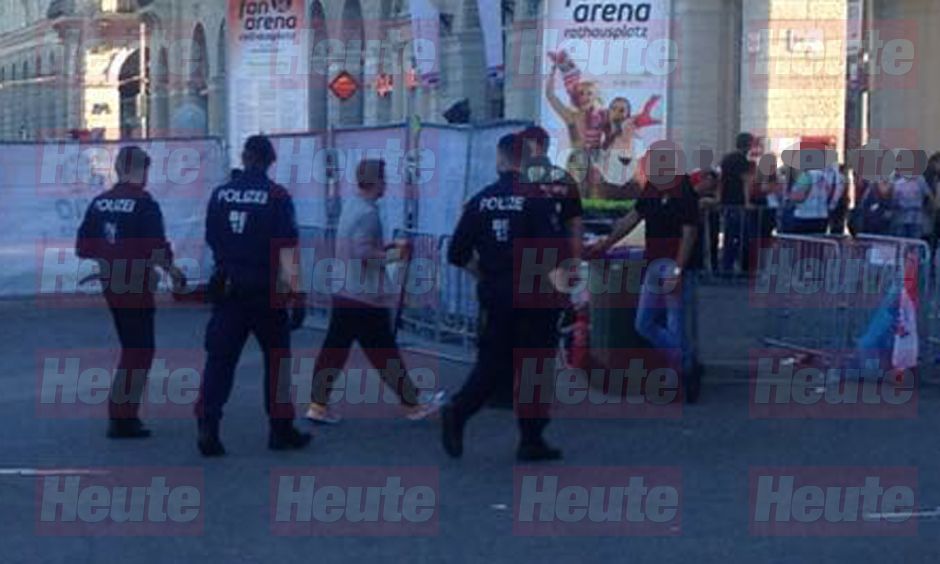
(208,442)
(537,451)
(451,432)
(284,436)
(127,429)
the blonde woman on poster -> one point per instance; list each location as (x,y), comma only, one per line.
(602,140)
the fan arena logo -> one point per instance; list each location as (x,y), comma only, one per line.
(268,16)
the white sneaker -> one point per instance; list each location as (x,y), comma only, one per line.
(427,406)
(319,413)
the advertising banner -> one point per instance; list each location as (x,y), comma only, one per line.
(606,68)
(268,73)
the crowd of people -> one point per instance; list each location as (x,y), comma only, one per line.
(743,204)
(251,229)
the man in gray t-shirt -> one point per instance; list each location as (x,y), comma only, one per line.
(361,308)
(360,247)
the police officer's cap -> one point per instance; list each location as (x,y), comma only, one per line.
(260,148)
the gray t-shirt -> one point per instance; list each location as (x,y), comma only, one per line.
(909,195)
(358,242)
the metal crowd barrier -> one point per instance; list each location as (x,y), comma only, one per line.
(807,322)
(822,293)
(451,314)
(730,240)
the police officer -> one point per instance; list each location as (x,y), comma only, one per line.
(252,231)
(123,230)
(494,223)
(556,182)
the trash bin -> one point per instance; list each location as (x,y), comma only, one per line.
(613,312)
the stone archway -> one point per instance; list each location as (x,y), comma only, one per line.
(131,87)
(191,118)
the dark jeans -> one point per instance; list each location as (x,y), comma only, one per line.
(505,332)
(734,238)
(808,226)
(135,330)
(714,231)
(233,320)
(837,218)
(370,326)
(761,222)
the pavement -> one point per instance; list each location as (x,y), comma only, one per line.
(710,450)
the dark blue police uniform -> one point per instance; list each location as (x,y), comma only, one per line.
(494,224)
(123,230)
(249,221)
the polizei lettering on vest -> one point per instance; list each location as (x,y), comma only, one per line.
(123,205)
(502,203)
(243,196)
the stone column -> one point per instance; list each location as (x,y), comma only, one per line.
(523,89)
(704,93)
(218,107)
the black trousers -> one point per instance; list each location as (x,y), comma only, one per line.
(233,320)
(135,330)
(371,326)
(505,332)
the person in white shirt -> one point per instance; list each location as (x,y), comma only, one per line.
(814,196)
(361,311)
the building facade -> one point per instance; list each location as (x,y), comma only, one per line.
(157,68)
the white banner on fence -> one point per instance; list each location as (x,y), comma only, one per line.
(608,65)
(267,73)
(301,167)
(47,187)
(443,161)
